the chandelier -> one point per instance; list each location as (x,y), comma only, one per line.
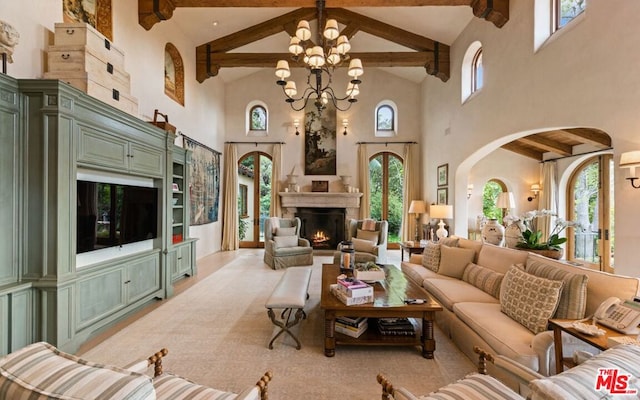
(321,59)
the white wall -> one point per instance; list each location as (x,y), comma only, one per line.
(202,117)
(587,76)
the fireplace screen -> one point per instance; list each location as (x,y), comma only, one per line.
(322,227)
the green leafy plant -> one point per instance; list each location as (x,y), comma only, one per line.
(532,236)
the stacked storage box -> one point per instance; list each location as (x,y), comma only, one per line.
(84,58)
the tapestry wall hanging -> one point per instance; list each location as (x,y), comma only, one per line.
(204,189)
(320,140)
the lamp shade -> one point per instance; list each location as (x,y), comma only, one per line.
(535,187)
(441,211)
(506,200)
(631,160)
(303,32)
(417,207)
(331,29)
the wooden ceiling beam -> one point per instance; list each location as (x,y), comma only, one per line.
(523,151)
(590,136)
(545,144)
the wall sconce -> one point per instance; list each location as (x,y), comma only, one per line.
(631,160)
(296,123)
(535,188)
(469,190)
(345,123)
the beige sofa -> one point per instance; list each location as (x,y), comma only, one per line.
(479,284)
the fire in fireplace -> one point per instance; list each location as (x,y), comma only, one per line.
(323,227)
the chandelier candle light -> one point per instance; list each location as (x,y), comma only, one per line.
(320,59)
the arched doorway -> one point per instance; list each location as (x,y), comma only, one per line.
(254,197)
(386,173)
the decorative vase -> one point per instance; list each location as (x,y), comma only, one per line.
(512,235)
(550,253)
(493,232)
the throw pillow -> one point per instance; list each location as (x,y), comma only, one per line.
(363,245)
(529,299)
(573,300)
(286,231)
(487,280)
(449,241)
(431,256)
(285,241)
(368,235)
(453,261)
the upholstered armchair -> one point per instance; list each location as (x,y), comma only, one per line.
(283,246)
(369,245)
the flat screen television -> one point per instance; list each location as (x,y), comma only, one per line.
(110,214)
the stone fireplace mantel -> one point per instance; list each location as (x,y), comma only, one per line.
(291,201)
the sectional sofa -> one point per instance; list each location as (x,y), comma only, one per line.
(501,299)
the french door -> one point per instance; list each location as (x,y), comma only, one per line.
(386,177)
(254,197)
(590,201)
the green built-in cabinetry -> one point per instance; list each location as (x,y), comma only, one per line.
(50,134)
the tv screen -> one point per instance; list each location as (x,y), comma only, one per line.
(113,214)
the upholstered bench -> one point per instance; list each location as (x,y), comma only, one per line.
(291,293)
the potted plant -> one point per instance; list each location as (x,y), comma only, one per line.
(532,240)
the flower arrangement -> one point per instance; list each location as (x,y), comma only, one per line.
(532,236)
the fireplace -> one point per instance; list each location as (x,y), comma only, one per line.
(322,227)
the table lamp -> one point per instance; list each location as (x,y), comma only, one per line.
(441,211)
(417,207)
(506,201)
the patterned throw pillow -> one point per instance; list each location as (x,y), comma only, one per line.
(528,299)
(487,280)
(573,300)
(368,235)
(431,256)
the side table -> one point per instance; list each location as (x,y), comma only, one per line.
(411,248)
(564,325)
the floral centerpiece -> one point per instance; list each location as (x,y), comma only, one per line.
(531,238)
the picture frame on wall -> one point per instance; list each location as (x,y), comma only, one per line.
(443,175)
(443,194)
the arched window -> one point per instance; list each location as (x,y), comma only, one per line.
(472,73)
(477,71)
(386,177)
(386,119)
(490,193)
(552,15)
(565,11)
(257,119)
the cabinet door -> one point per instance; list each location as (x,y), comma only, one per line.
(102,149)
(184,260)
(143,278)
(99,296)
(146,160)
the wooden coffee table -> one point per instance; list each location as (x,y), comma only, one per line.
(388,303)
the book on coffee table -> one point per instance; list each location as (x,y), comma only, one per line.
(397,326)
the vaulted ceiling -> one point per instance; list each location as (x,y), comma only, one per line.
(410,38)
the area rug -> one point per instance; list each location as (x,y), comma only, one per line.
(217,334)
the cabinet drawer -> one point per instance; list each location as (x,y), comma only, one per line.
(81,33)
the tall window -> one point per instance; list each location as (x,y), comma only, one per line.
(490,194)
(567,10)
(477,72)
(258,118)
(472,71)
(386,174)
(591,204)
(254,173)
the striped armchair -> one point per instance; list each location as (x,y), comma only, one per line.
(42,372)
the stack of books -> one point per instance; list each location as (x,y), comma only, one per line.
(352,291)
(351,326)
(397,326)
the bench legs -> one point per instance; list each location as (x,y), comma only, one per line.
(285,322)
